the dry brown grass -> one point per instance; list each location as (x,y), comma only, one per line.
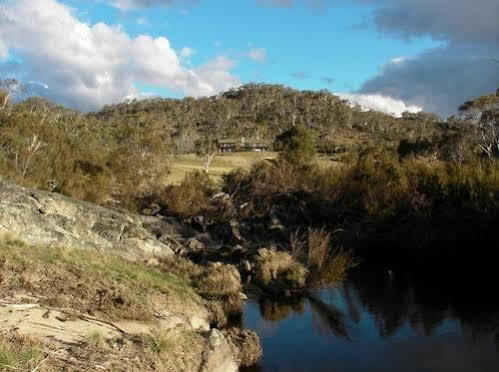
(245,345)
(327,266)
(319,241)
(219,280)
(219,284)
(169,350)
(273,268)
(18,353)
(91,282)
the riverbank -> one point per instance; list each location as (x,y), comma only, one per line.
(90,288)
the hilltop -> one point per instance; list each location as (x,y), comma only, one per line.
(265,111)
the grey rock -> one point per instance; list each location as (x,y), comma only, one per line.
(41,217)
(219,356)
(195,245)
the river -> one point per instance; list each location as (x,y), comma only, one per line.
(381,321)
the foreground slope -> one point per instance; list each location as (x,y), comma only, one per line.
(90,288)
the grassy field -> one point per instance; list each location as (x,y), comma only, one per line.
(224,163)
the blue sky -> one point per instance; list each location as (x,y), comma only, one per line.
(391,55)
(304,45)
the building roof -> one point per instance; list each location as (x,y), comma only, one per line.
(242,141)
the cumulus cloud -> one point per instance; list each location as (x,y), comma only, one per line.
(87,66)
(186,52)
(378,102)
(132,4)
(258,54)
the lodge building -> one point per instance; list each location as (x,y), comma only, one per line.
(242,144)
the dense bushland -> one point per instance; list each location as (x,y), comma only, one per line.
(47,146)
(386,208)
(122,153)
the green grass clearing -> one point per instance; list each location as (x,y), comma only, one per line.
(225,163)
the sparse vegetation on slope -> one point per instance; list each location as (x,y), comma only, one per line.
(145,316)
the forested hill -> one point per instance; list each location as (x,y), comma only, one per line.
(129,146)
(264,111)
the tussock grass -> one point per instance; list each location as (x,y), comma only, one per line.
(218,283)
(279,269)
(161,342)
(95,338)
(318,248)
(175,349)
(19,353)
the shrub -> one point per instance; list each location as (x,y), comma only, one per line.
(191,197)
(420,146)
(296,145)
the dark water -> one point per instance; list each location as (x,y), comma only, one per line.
(382,322)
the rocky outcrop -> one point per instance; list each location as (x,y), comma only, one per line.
(49,218)
(219,356)
(45,219)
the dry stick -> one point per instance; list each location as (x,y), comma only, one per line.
(11,368)
(40,363)
(86,317)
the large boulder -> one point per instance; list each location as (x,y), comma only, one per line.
(52,219)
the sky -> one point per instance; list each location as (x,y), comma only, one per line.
(389,55)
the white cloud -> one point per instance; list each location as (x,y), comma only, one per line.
(4,51)
(142,21)
(440,79)
(398,60)
(258,54)
(45,86)
(377,102)
(186,52)
(124,4)
(87,66)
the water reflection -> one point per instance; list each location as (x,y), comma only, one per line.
(381,322)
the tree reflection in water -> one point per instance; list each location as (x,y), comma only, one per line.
(396,315)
